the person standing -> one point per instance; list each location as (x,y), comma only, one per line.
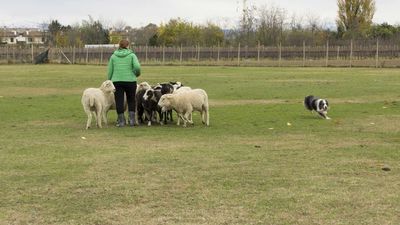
(123,70)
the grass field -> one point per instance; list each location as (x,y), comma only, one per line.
(248,167)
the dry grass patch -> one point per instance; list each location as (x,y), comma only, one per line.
(295,80)
(373,124)
(303,142)
(390,100)
(32,92)
(149,215)
(219,103)
(386,100)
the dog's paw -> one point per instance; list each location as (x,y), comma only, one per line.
(328,118)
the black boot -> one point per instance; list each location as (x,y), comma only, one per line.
(132,121)
(121,120)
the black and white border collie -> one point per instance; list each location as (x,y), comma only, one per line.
(319,105)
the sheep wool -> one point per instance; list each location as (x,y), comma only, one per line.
(98,101)
(185,103)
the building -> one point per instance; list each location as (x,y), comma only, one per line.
(22,36)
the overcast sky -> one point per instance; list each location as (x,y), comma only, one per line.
(137,13)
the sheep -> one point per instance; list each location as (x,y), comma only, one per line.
(182,89)
(176,84)
(150,100)
(185,103)
(98,101)
(142,86)
(141,89)
(167,88)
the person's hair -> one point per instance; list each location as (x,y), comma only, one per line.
(123,44)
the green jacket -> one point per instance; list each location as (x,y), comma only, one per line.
(123,66)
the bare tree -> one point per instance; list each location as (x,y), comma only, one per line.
(247,26)
(271,24)
(296,22)
(119,25)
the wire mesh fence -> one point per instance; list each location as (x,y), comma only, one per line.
(344,54)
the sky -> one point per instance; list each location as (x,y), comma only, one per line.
(137,13)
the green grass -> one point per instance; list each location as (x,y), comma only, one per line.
(248,167)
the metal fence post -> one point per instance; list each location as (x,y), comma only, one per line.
(280,53)
(32,53)
(327,53)
(87,56)
(73,55)
(146,56)
(338,53)
(218,52)
(198,53)
(7,54)
(351,53)
(101,56)
(181,54)
(304,53)
(59,52)
(377,54)
(238,56)
(163,54)
(13,52)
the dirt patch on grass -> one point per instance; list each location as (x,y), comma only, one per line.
(22,216)
(150,213)
(365,99)
(44,123)
(301,81)
(304,142)
(31,91)
(379,123)
(214,102)
(362,100)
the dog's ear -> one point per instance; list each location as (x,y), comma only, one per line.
(327,103)
(320,105)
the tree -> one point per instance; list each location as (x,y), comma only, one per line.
(54,29)
(73,36)
(178,32)
(384,31)
(93,32)
(247,25)
(144,35)
(211,35)
(354,17)
(119,25)
(44,28)
(270,27)
(153,41)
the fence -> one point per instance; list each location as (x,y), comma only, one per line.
(350,54)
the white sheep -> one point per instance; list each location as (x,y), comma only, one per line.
(98,101)
(142,86)
(182,89)
(185,103)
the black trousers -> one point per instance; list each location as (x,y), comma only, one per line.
(122,89)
